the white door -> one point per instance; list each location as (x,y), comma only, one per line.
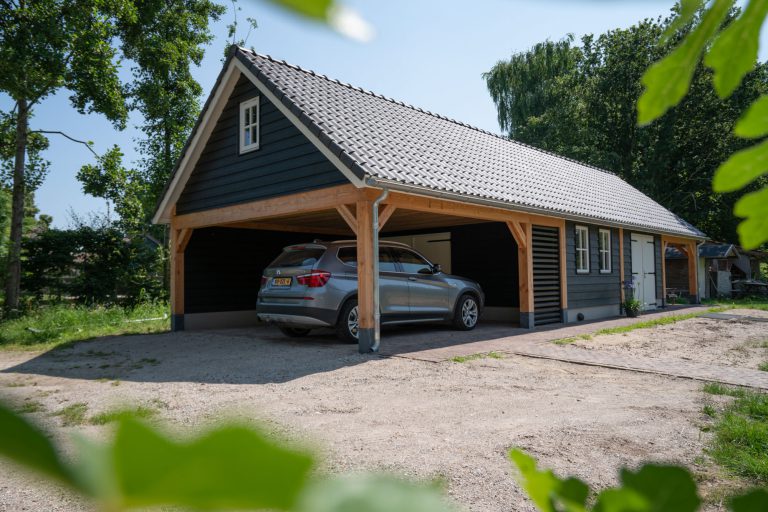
(644,270)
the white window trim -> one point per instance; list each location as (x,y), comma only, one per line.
(254,145)
(579,229)
(607,250)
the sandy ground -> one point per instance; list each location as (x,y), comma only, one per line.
(734,342)
(427,420)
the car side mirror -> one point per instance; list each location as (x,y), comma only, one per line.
(436,268)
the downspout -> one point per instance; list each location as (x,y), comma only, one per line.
(376,308)
(698,283)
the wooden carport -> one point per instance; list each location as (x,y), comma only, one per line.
(688,247)
(347,210)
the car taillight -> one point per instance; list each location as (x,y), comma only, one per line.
(314,279)
(264,280)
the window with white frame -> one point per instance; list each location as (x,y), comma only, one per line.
(249,125)
(582,249)
(604,250)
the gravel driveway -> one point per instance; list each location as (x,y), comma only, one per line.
(449,420)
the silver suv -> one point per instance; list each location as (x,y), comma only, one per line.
(315,285)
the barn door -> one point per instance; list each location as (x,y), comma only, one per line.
(644,270)
(546,275)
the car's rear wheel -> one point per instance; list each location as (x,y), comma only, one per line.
(348,325)
(467,313)
(294,332)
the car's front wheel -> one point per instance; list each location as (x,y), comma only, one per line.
(294,332)
(348,326)
(467,313)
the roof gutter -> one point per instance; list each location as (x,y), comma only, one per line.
(452,196)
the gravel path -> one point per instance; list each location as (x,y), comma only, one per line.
(450,420)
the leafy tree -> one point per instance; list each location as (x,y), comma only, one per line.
(580,101)
(729,48)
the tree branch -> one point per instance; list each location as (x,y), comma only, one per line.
(56,132)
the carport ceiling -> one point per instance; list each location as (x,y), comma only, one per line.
(330,222)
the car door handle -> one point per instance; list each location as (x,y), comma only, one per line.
(411,278)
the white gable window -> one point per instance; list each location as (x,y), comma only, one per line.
(249,125)
(604,249)
(582,250)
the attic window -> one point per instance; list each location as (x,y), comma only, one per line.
(249,125)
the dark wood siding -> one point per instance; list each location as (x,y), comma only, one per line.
(286,161)
(592,289)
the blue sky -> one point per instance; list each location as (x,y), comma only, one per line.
(429,53)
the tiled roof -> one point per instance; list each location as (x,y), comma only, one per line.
(388,140)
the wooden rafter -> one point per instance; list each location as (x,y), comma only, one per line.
(518,232)
(385,213)
(348,216)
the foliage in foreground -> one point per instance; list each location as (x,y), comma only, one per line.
(235,466)
(740,441)
(57,325)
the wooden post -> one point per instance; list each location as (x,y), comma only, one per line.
(177,280)
(693,284)
(525,266)
(366,320)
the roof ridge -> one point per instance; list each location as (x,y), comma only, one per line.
(428,112)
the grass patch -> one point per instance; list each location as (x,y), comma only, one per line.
(30,407)
(760,303)
(763,366)
(488,355)
(142,412)
(665,320)
(53,326)
(740,442)
(72,415)
(715,388)
(571,339)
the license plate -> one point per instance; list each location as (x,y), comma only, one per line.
(281,281)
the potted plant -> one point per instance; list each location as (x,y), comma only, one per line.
(632,307)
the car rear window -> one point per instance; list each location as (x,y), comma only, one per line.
(298,257)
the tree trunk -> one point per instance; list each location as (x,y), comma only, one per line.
(13,278)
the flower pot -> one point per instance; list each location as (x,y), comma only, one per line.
(632,313)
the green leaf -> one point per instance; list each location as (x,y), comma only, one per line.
(754,501)
(734,52)
(754,208)
(741,169)
(231,467)
(621,500)
(372,493)
(314,9)
(754,123)
(666,488)
(28,446)
(666,82)
(545,489)
(688,10)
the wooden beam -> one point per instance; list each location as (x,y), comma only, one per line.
(525,271)
(312,201)
(365,265)
(693,284)
(183,239)
(563,268)
(348,217)
(385,213)
(289,228)
(517,232)
(177,281)
(621,265)
(447,207)
(677,240)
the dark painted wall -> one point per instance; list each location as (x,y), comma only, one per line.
(285,163)
(592,289)
(223,266)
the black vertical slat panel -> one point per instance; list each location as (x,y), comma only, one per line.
(546,275)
